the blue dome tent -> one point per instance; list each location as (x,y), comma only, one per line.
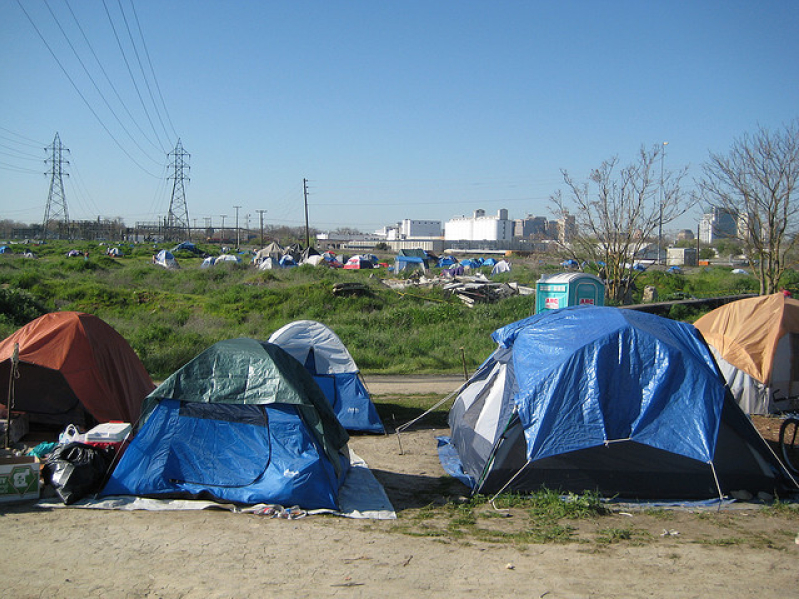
(326,357)
(242,422)
(611,400)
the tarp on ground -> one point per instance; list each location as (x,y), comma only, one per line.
(620,402)
(72,364)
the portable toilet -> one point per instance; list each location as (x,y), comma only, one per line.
(568,289)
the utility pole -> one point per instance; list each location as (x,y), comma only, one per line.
(261,215)
(305,194)
(178,218)
(56,209)
(222,234)
(237,226)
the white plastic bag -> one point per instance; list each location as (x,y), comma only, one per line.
(70,435)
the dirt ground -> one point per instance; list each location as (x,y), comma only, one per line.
(430,550)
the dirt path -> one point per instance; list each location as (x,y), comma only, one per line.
(75,553)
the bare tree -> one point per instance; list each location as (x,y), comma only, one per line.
(757,181)
(617,211)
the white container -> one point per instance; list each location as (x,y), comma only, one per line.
(109,432)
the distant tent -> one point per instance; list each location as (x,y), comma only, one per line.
(500,267)
(166,260)
(287,261)
(242,422)
(359,262)
(624,403)
(314,260)
(294,250)
(186,246)
(73,253)
(222,258)
(114,252)
(417,253)
(5,250)
(756,343)
(324,355)
(489,262)
(331,260)
(409,263)
(274,250)
(74,368)
(447,261)
(268,263)
(307,254)
(208,262)
(454,271)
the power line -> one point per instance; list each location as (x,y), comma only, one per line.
(94,83)
(10,167)
(152,70)
(28,141)
(130,72)
(110,83)
(82,97)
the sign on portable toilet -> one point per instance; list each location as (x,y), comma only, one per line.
(568,289)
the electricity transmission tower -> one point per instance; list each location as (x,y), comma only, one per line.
(177,225)
(56,215)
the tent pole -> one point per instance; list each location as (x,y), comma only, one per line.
(718,486)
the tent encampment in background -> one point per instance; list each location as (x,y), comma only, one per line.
(624,403)
(74,368)
(242,422)
(325,356)
(756,343)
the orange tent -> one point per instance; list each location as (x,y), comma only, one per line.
(756,342)
(72,364)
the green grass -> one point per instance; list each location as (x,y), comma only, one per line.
(170,316)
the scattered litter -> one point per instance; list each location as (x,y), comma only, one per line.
(470,289)
(670,533)
(278,511)
(510,566)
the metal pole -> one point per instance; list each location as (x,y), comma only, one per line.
(13,374)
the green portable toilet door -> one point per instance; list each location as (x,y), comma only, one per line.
(587,294)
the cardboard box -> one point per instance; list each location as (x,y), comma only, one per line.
(19,478)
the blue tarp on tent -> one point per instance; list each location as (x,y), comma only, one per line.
(242,422)
(637,378)
(612,400)
(239,453)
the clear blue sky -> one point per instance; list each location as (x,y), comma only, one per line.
(391,110)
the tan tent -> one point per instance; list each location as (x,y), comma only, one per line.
(74,367)
(756,343)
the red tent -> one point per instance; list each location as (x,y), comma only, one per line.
(72,364)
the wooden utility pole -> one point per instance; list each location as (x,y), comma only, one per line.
(261,215)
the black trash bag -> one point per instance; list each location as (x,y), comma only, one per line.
(76,470)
